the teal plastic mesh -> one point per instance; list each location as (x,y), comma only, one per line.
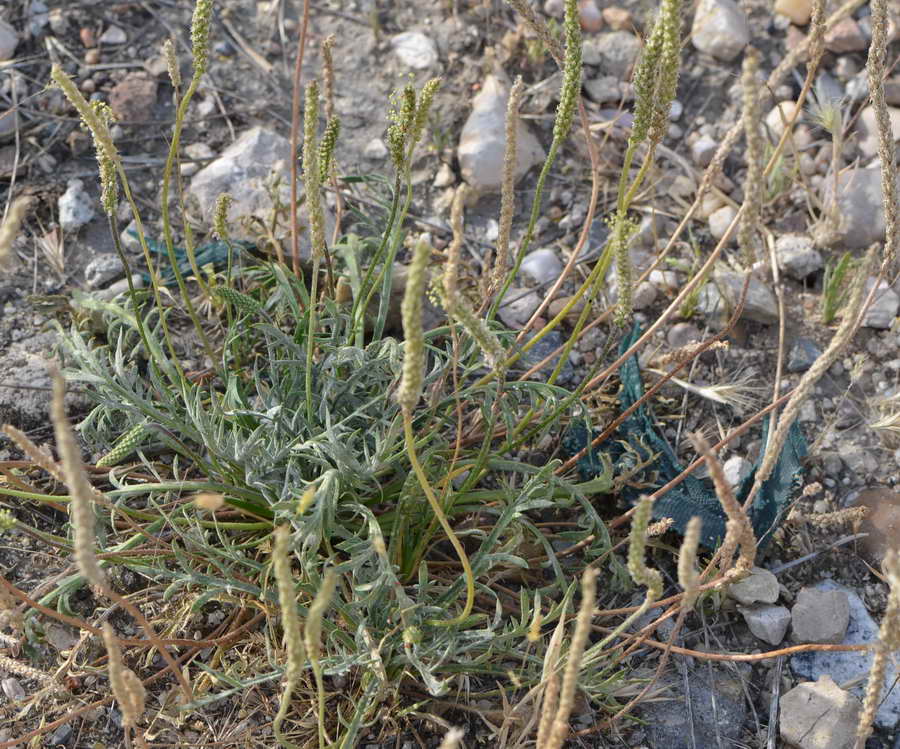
(211,253)
(638,440)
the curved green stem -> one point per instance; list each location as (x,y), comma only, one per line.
(442,519)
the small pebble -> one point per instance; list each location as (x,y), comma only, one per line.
(720,220)
(590,16)
(113,35)
(618,19)
(88,39)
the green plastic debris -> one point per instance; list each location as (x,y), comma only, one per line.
(212,253)
(637,441)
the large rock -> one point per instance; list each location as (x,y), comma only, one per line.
(415,49)
(760,586)
(861,207)
(797,256)
(483,140)
(614,51)
(26,364)
(720,295)
(853,667)
(767,622)
(819,715)
(885,305)
(245,170)
(868,129)
(9,40)
(720,29)
(820,615)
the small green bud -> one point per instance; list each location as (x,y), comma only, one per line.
(238,300)
(126,444)
(200,25)
(326,147)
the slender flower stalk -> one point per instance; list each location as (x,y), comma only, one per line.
(290,624)
(755,156)
(565,115)
(408,395)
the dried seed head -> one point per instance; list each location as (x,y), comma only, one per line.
(126,686)
(688,577)
(414,346)
(637,545)
(754,185)
(534,631)
(560,729)
(457,306)
(96,117)
(82,493)
(287,601)
(9,229)
(311,170)
(328,74)
(312,634)
(507,191)
(171,57)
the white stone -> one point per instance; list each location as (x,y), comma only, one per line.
(541,267)
(9,40)
(246,170)
(518,307)
(615,52)
(103,269)
(799,11)
(120,287)
(760,586)
(720,220)
(703,149)
(375,149)
(797,256)
(885,304)
(76,207)
(415,50)
(483,140)
(665,280)
(199,151)
(113,35)
(643,296)
(13,689)
(736,469)
(868,130)
(445,176)
(767,622)
(129,238)
(720,29)
(59,21)
(780,115)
